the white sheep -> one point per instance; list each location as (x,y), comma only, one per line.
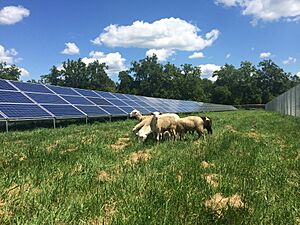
(190,123)
(163,122)
(137,114)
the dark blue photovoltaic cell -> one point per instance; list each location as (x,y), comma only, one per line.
(120,96)
(105,94)
(76,100)
(46,98)
(23,111)
(13,97)
(62,90)
(87,93)
(92,110)
(1,117)
(30,87)
(63,110)
(117,102)
(99,101)
(132,97)
(127,109)
(152,109)
(131,103)
(113,110)
(4,85)
(143,104)
(142,110)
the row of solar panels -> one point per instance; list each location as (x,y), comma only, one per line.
(19,100)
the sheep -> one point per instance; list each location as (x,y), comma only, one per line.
(207,124)
(163,122)
(135,113)
(190,123)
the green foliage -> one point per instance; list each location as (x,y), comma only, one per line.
(9,72)
(247,84)
(77,175)
(78,74)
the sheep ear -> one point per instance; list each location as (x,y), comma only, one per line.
(160,113)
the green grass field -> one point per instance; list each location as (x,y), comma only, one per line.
(247,172)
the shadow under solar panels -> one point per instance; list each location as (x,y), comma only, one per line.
(23,111)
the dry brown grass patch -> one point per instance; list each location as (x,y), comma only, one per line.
(207,165)
(103,176)
(120,144)
(230,129)
(218,204)
(72,148)
(135,157)
(212,179)
(108,210)
(16,190)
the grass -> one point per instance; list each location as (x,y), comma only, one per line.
(96,174)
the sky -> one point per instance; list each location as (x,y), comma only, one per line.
(35,35)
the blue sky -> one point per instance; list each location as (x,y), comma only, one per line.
(35,35)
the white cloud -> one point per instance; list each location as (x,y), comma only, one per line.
(289,60)
(12,14)
(226,2)
(228,56)
(208,69)
(196,55)
(71,49)
(114,61)
(266,10)
(24,73)
(265,55)
(8,56)
(162,54)
(168,33)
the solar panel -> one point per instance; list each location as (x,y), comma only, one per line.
(19,100)
(127,109)
(62,90)
(113,110)
(105,94)
(63,110)
(30,87)
(13,97)
(92,110)
(99,101)
(46,98)
(118,102)
(4,85)
(76,100)
(23,111)
(87,93)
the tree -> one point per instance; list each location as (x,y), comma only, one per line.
(272,80)
(79,75)
(9,72)
(126,84)
(147,74)
(54,77)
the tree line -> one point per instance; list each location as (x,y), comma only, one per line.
(247,84)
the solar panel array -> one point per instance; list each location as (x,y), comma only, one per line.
(20,100)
